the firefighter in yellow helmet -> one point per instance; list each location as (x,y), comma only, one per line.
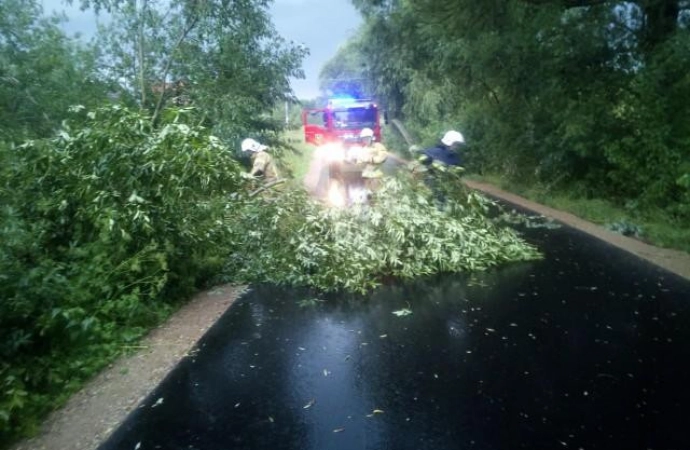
(373,154)
(262,162)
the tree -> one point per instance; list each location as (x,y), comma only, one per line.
(43,72)
(224,57)
(578,92)
(344,73)
(660,18)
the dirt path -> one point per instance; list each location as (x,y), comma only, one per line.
(91,415)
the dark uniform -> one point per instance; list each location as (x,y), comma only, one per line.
(438,159)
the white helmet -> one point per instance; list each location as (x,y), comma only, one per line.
(452,137)
(366,132)
(250,145)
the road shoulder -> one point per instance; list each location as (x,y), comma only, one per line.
(674,261)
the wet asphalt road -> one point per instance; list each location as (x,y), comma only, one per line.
(587,349)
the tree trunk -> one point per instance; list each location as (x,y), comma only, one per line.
(140,51)
(661,20)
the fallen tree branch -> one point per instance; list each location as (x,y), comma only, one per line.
(266,187)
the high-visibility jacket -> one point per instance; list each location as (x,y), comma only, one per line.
(262,164)
(373,156)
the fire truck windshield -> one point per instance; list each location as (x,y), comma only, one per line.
(354,118)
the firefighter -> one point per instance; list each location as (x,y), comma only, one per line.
(442,158)
(262,162)
(373,154)
(445,154)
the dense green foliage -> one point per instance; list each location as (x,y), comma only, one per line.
(587,95)
(102,227)
(289,239)
(107,225)
(42,72)
(223,57)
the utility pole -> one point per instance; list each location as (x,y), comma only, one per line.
(287,117)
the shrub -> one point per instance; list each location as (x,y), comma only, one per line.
(103,227)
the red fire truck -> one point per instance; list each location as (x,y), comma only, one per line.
(333,130)
(341,121)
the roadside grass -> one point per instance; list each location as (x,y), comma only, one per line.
(298,158)
(395,143)
(654,227)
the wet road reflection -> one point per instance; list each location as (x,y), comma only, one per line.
(588,349)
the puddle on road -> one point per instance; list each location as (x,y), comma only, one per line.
(588,348)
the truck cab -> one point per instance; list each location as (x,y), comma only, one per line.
(341,121)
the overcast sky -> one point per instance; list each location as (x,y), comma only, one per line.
(321,25)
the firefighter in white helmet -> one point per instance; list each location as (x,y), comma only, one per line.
(443,157)
(262,162)
(445,154)
(373,154)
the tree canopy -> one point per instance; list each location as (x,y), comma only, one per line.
(224,57)
(587,94)
(42,72)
